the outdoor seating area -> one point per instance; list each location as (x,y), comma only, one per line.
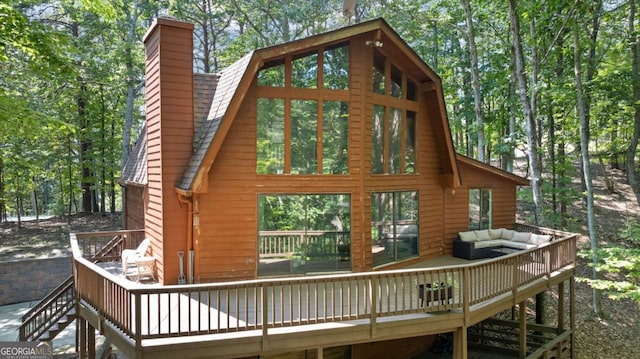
(490,243)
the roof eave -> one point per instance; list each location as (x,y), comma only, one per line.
(521,181)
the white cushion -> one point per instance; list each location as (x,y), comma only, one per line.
(519,245)
(539,239)
(468,236)
(490,243)
(495,233)
(506,234)
(483,235)
(521,237)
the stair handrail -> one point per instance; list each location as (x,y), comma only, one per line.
(56,312)
(114,243)
(65,289)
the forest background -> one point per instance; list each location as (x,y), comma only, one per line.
(555,84)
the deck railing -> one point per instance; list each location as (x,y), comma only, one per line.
(304,243)
(144,312)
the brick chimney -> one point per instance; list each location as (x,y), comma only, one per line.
(169,107)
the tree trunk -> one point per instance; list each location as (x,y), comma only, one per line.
(3,205)
(532,151)
(632,176)
(508,166)
(584,148)
(475,79)
(552,156)
(70,173)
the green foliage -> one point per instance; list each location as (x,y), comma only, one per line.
(619,261)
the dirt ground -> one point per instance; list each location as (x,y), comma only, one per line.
(49,237)
(615,334)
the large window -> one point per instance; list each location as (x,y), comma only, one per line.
(270,136)
(394,226)
(480,203)
(303,113)
(393,132)
(304,233)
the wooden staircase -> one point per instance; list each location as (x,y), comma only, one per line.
(51,315)
(57,310)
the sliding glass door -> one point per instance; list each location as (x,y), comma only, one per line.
(304,233)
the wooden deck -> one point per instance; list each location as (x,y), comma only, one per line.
(249,317)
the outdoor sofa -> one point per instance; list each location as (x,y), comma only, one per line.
(489,243)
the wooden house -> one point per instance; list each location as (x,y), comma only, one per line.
(295,204)
(348,127)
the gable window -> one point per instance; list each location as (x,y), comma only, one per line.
(480,208)
(303,113)
(270,136)
(394,226)
(393,133)
(304,233)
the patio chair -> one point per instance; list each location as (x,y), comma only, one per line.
(129,256)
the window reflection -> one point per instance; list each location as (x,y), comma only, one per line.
(336,68)
(304,71)
(304,124)
(304,233)
(272,74)
(270,136)
(335,137)
(377,140)
(480,203)
(394,226)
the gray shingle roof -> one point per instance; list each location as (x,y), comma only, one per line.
(204,86)
(135,169)
(225,90)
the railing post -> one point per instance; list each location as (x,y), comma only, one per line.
(515,280)
(373,285)
(265,317)
(466,295)
(138,323)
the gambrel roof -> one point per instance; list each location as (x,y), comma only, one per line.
(217,98)
(234,81)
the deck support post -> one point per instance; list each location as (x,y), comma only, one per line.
(83,337)
(460,343)
(572,314)
(91,341)
(319,353)
(561,305)
(522,318)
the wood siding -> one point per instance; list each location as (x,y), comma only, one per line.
(226,216)
(456,206)
(135,204)
(169,99)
